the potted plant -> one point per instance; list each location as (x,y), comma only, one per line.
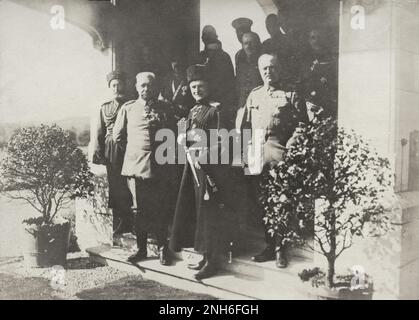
(44,167)
(332,182)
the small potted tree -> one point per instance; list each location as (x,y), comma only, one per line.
(336,185)
(44,167)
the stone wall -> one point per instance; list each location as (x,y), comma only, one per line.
(378,97)
(93,218)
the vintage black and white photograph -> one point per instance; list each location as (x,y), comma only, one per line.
(209,150)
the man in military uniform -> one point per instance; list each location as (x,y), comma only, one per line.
(277,43)
(106,152)
(175,90)
(220,72)
(247,78)
(318,71)
(281,43)
(272,118)
(136,126)
(242,26)
(247,73)
(204,203)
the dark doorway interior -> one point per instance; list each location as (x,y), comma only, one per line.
(304,15)
(150,32)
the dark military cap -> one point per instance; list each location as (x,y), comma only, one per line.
(209,29)
(196,72)
(116,74)
(242,23)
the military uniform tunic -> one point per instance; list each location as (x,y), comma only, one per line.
(136,126)
(272,119)
(247,78)
(106,152)
(201,211)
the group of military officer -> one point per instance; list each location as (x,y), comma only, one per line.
(267,94)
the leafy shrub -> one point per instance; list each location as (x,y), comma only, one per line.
(333,180)
(44,167)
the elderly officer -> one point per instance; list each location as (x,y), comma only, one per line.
(272,119)
(106,152)
(136,126)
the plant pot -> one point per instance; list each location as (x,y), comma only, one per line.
(46,245)
(341,293)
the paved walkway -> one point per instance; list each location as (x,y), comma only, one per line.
(82,280)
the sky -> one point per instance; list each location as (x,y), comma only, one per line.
(47,74)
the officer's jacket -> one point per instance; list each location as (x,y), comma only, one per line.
(136,126)
(272,119)
(104,151)
(247,78)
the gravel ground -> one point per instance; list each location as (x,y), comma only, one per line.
(83,280)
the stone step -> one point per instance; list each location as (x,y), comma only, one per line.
(243,265)
(239,263)
(238,280)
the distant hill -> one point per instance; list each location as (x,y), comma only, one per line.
(76,124)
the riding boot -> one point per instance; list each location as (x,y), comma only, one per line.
(268,253)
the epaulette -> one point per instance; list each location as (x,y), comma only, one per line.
(257,88)
(105,103)
(215,104)
(128,103)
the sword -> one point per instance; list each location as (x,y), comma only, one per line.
(189,158)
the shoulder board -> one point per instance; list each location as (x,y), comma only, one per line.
(129,102)
(257,88)
(215,104)
(106,103)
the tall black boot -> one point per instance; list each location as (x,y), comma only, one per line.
(141,239)
(209,268)
(268,253)
(142,242)
(164,253)
(142,248)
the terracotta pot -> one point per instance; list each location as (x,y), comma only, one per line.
(47,245)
